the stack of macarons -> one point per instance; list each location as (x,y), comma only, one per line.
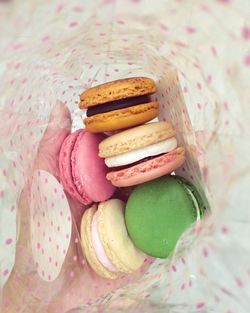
(119,104)
(140,152)
(119,148)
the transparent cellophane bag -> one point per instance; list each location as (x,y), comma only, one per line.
(199,56)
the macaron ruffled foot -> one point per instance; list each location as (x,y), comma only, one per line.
(119,104)
(82,171)
(105,240)
(141,154)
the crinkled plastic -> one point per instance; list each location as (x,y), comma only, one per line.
(199,54)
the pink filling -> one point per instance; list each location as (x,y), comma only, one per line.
(99,249)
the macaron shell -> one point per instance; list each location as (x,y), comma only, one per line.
(116,90)
(88,169)
(133,156)
(157,213)
(123,118)
(113,233)
(88,249)
(135,138)
(65,168)
(148,170)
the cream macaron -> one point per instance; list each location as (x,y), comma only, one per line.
(145,153)
(105,241)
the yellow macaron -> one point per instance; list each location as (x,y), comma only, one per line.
(119,104)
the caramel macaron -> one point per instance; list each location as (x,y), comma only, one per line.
(119,104)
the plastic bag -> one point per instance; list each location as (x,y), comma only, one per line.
(199,54)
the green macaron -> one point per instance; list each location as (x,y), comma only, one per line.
(158,212)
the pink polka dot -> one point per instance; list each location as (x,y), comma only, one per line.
(224,229)
(8,241)
(205,252)
(246,33)
(5,272)
(247,60)
(224,1)
(50,259)
(1,194)
(75,258)
(239,282)
(45,38)
(17,66)
(78,9)
(200,305)
(67,236)
(199,86)
(190,29)
(59,8)
(173,268)
(214,51)
(163,27)
(73,24)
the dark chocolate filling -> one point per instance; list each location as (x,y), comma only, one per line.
(117,105)
(118,168)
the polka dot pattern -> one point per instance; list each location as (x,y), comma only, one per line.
(51,224)
(7,218)
(202,89)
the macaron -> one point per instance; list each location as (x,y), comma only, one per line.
(105,241)
(141,154)
(160,211)
(82,171)
(119,104)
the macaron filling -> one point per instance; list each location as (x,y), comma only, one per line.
(195,202)
(117,105)
(133,156)
(98,246)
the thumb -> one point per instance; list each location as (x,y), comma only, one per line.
(49,148)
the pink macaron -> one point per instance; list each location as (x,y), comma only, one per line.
(82,171)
